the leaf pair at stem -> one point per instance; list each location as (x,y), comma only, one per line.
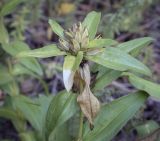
(79,45)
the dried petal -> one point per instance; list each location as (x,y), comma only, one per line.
(76,45)
(89,104)
(85,74)
(64,44)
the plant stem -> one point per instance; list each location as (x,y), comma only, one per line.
(80,133)
(80,127)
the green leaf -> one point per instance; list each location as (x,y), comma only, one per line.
(56,28)
(61,134)
(19,69)
(91,21)
(9,7)
(27,136)
(114,116)
(147,128)
(10,88)
(129,47)
(44,52)
(4,38)
(30,109)
(12,115)
(99,43)
(8,114)
(135,44)
(62,107)
(69,62)
(106,79)
(5,77)
(115,59)
(151,88)
(16,47)
(78,60)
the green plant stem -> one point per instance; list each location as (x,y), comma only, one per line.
(80,133)
(44,86)
(80,127)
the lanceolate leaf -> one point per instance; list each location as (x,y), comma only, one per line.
(135,44)
(115,59)
(151,88)
(128,47)
(56,28)
(61,134)
(44,52)
(78,60)
(5,77)
(62,107)
(98,43)
(27,136)
(16,47)
(106,79)
(91,22)
(114,116)
(4,38)
(147,128)
(8,114)
(9,7)
(30,109)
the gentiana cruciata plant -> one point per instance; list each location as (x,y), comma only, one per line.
(81,45)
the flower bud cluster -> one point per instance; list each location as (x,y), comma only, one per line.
(75,39)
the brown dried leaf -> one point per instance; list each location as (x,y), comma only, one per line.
(89,104)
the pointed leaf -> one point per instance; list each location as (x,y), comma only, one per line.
(106,79)
(129,47)
(5,76)
(12,115)
(78,60)
(114,116)
(9,7)
(56,28)
(30,110)
(8,114)
(10,88)
(57,134)
(16,47)
(19,69)
(4,38)
(62,107)
(115,59)
(147,128)
(135,44)
(27,136)
(44,52)
(151,88)
(91,21)
(99,43)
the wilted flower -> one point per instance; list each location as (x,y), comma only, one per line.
(89,104)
